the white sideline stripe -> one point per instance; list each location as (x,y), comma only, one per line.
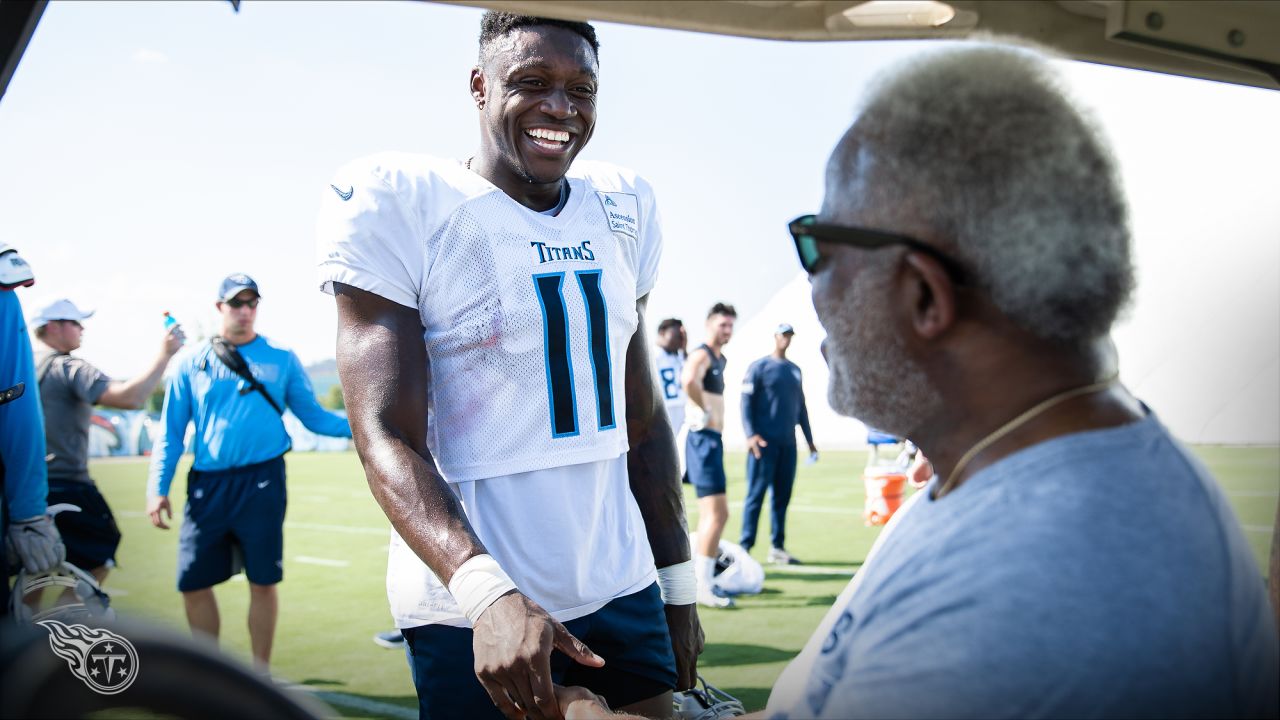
(320,561)
(352,529)
(811,570)
(851,510)
(1253,493)
(1257,528)
(372,707)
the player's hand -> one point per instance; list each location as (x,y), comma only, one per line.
(174,339)
(158,510)
(695,417)
(579,703)
(513,640)
(36,544)
(754,443)
(686,642)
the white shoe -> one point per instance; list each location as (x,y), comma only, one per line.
(708,598)
(778,556)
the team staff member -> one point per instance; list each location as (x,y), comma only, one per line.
(69,388)
(236,488)
(538,501)
(772,405)
(24,525)
(704,448)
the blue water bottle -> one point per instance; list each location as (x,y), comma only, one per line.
(169,322)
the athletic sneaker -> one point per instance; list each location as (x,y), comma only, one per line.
(708,598)
(391,639)
(778,556)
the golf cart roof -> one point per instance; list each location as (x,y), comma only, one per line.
(1234,41)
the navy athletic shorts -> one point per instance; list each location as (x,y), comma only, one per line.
(630,633)
(704,462)
(234,520)
(90,536)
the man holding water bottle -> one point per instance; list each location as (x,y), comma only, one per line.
(69,388)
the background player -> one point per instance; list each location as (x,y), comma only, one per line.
(515,290)
(669,361)
(704,448)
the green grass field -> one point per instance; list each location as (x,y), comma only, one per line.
(333,598)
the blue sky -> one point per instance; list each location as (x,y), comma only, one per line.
(149,149)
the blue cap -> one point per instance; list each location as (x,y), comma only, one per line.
(234,284)
(785,329)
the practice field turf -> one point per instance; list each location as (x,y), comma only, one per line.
(333,598)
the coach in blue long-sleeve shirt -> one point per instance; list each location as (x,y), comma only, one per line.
(236,488)
(772,406)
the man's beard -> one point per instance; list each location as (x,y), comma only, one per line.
(873,378)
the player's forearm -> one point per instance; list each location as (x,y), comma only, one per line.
(653,466)
(654,471)
(384,369)
(418,502)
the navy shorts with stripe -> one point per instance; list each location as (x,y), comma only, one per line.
(704,462)
(629,632)
(234,520)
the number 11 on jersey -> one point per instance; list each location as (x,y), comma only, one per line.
(555,327)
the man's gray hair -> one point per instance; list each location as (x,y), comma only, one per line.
(982,145)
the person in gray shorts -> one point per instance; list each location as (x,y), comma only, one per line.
(69,388)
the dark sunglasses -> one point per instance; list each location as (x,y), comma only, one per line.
(237,303)
(808,232)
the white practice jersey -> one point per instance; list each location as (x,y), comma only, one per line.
(668,369)
(527,318)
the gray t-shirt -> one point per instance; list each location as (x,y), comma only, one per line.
(68,390)
(1100,574)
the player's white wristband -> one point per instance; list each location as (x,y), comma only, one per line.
(677,584)
(477,583)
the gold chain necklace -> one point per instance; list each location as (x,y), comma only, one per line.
(1016,423)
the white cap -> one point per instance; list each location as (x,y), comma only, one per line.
(61,309)
(14,271)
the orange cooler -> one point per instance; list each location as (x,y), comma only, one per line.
(885,490)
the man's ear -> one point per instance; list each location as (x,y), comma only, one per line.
(478,89)
(930,295)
